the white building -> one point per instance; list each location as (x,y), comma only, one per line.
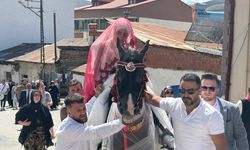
(19,25)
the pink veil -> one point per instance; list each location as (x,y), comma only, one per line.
(103,54)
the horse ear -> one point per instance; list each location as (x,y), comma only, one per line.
(145,49)
(120,49)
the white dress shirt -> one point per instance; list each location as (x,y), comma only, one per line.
(90,104)
(192,131)
(4,88)
(216,105)
(72,135)
(28,95)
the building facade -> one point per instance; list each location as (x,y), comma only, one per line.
(135,10)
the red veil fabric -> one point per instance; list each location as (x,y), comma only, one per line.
(103,54)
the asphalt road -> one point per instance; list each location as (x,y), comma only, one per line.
(9,131)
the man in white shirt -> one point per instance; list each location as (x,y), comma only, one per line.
(75,86)
(4,89)
(235,132)
(74,134)
(197,125)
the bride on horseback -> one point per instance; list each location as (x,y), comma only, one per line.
(101,66)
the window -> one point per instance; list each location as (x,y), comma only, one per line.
(25,76)
(82,25)
(76,25)
(8,76)
(132,1)
(103,24)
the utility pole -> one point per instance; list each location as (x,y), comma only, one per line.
(42,41)
(32,5)
(54,18)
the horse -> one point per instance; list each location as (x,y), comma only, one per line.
(125,91)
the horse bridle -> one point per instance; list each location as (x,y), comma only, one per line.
(130,67)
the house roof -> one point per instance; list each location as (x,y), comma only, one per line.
(35,56)
(18,50)
(115,4)
(160,9)
(140,3)
(80,69)
(83,7)
(160,35)
(49,51)
(163,36)
(111,5)
(75,42)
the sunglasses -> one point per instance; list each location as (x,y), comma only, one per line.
(189,91)
(207,88)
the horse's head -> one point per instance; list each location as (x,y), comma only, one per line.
(130,82)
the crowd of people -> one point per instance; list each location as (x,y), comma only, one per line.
(17,95)
(200,119)
(217,123)
(33,100)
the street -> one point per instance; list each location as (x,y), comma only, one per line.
(9,131)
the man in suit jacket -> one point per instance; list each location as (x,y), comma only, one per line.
(235,132)
(25,95)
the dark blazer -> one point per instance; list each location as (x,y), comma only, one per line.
(235,132)
(23,98)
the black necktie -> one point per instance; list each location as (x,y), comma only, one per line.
(28,97)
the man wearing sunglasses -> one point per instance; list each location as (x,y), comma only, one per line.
(197,125)
(235,132)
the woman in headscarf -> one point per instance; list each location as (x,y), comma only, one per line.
(103,54)
(46,99)
(54,92)
(37,132)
